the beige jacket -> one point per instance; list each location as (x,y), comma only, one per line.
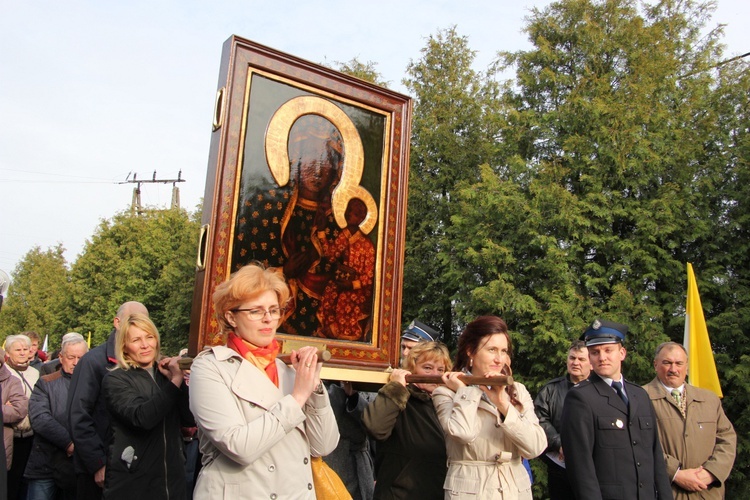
(705,437)
(28,379)
(485,450)
(255,439)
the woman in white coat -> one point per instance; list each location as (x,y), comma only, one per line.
(259,421)
(488,430)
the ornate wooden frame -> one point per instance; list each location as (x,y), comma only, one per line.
(260,93)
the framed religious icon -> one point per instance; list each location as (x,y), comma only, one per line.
(308,173)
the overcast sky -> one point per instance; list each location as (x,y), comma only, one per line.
(91,91)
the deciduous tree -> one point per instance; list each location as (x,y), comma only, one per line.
(148,258)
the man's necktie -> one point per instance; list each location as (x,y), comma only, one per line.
(617,386)
(678,399)
(677,396)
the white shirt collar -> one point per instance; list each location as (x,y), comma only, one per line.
(670,389)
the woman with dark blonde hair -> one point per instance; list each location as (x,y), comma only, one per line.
(488,429)
(148,403)
(259,420)
(410,461)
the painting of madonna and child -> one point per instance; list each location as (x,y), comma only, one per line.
(308,202)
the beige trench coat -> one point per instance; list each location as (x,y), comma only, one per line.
(255,439)
(705,438)
(485,450)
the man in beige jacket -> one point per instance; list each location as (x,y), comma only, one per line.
(698,440)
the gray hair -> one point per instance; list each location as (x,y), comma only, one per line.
(12,339)
(668,345)
(71,338)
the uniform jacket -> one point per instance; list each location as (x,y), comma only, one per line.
(548,406)
(48,410)
(147,413)
(484,448)
(610,453)
(255,439)
(705,437)
(88,417)
(411,460)
(15,408)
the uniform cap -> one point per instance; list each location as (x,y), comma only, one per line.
(604,332)
(419,332)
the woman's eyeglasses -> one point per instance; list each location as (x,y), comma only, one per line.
(258,313)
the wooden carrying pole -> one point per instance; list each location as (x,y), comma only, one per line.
(186,363)
(324,355)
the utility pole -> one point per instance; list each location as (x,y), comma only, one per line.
(136,207)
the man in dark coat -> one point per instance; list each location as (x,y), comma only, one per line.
(548,406)
(351,459)
(89,420)
(609,429)
(50,464)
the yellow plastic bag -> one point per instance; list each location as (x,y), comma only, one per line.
(328,485)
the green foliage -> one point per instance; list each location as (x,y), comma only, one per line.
(364,71)
(148,258)
(453,133)
(724,278)
(39,295)
(582,189)
(613,137)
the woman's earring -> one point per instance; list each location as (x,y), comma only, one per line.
(471,361)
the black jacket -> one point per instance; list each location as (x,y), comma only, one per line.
(48,411)
(410,453)
(612,451)
(548,406)
(88,417)
(147,414)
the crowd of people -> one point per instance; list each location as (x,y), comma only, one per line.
(123,421)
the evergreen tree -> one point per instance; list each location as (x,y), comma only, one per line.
(38,297)
(722,260)
(609,133)
(621,157)
(452,134)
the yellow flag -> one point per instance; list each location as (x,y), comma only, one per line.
(701,365)
(89,341)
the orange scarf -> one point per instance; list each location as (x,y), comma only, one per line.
(264,358)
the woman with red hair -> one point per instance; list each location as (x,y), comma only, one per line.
(259,420)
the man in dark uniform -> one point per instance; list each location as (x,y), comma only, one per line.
(609,430)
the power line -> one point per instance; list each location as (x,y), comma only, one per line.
(54,174)
(30,181)
(717,65)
